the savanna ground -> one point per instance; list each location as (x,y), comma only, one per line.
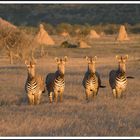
(103,116)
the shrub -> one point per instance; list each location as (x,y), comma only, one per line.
(30,30)
(18,44)
(64,27)
(66,44)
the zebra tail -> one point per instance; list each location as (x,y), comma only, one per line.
(102,86)
(130,77)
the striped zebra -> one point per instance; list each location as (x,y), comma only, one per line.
(91,81)
(118,78)
(34,85)
(55,82)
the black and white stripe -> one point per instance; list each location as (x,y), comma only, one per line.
(90,81)
(32,86)
(55,82)
(118,82)
(59,81)
(121,80)
(57,87)
(33,90)
(118,78)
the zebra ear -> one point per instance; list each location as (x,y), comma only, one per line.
(126,57)
(56,59)
(117,57)
(86,57)
(65,58)
(95,58)
(26,63)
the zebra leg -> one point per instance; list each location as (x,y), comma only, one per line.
(94,94)
(61,95)
(55,96)
(123,94)
(119,93)
(87,95)
(37,98)
(114,93)
(31,99)
(51,96)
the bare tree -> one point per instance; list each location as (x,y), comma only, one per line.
(18,44)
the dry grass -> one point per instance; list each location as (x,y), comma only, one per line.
(104,116)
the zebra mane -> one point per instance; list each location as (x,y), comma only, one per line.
(120,73)
(30,77)
(58,73)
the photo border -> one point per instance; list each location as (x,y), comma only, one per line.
(69,2)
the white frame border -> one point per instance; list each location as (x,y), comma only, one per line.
(69,2)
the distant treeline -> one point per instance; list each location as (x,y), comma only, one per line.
(54,14)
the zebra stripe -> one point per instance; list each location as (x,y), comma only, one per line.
(118,82)
(117,78)
(32,86)
(91,82)
(55,82)
(121,81)
(59,81)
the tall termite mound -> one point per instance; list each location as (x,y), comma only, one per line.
(93,35)
(122,35)
(43,37)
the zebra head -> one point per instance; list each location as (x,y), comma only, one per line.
(61,64)
(122,62)
(30,68)
(91,63)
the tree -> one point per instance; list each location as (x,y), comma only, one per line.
(18,44)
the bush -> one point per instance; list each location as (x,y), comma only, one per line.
(134,29)
(64,27)
(66,44)
(18,44)
(30,30)
(49,28)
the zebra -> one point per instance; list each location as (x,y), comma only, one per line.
(118,78)
(91,80)
(34,85)
(55,82)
